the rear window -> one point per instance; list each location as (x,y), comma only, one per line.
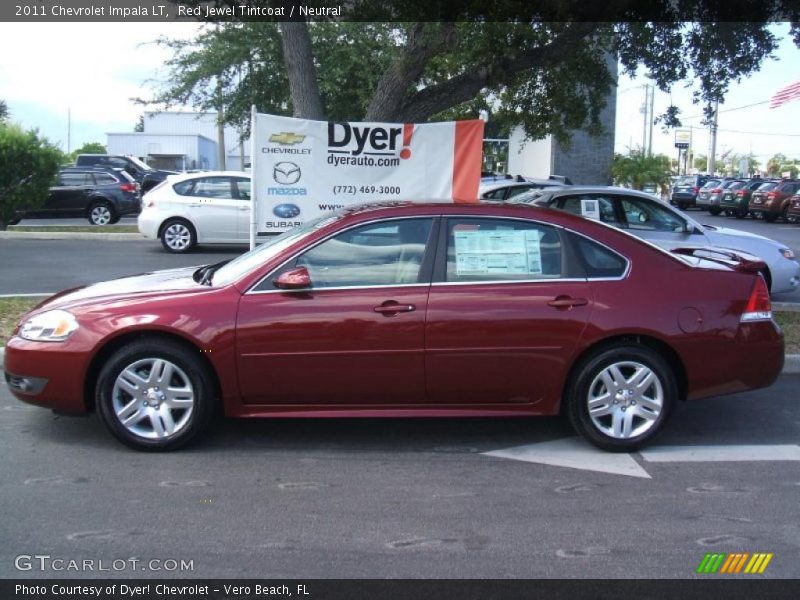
(599,261)
(712,183)
(788,187)
(765,187)
(736,185)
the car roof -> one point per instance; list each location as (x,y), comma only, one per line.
(184,176)
(597,189)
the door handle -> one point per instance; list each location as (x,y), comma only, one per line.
(567,302)
(247,208)
(390,308)
(194,205)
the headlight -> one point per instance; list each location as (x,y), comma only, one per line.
(787,253)
(50,326)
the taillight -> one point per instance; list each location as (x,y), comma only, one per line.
(716,191)
(759,307)
(740,193)
(695,189)
(772,195)
(128,187)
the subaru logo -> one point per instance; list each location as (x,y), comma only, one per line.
(286,173)
(286,211)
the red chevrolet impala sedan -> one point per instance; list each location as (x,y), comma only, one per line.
(409,310)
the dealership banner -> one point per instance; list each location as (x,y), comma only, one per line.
(302,169)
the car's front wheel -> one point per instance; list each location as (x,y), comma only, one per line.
(178,236)
(619,398)
(155,395)
(102,213)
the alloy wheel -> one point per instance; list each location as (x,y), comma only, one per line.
(625,400)
(177,236)
(153,398)
(100,215)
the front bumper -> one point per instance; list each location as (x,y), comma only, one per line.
(46,374)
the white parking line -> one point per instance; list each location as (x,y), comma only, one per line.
(574,453)
(739,453)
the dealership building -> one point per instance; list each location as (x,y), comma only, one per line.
(181,141)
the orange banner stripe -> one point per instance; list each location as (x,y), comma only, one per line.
(741,562)
(728,563)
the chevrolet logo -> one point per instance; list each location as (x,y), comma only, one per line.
(286,138)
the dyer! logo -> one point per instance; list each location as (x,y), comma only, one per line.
(286,138)
(736,562)
(348,138)
(286,173)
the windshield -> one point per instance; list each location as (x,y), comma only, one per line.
(264,252)
(143,166)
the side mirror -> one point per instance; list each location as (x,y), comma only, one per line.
(293,279)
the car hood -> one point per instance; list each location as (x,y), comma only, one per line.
(718,235)
(169,281)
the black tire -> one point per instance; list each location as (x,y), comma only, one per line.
(585,380)
(740,213)
(785,214)
(683,206)
(714,210)
(188,372)
(770,218)
(14,220)
(178,236)
(101,212)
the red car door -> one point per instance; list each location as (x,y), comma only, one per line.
(356,337)
(505,313)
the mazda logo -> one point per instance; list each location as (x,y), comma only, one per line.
(286,173)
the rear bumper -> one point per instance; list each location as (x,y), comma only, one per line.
(752,360)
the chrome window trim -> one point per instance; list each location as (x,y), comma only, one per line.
(252,289)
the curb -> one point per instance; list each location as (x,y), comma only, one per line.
(68,235)
(791,363)
(785,307)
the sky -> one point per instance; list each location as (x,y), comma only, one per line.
(91,71)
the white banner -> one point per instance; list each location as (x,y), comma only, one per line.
(302,169)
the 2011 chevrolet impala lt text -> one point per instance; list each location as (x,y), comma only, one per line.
(408,309)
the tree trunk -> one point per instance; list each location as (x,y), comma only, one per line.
(301,70)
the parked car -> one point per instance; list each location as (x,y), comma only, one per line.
(661,224)
(710,194)
(146,176)
(503,191)
(794,208)
(773,202)
(685,190)
(736,199)
(191,209)
(101,195)
(408,309)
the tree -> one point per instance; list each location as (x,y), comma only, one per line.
(701,163)
(4,114)
(638,169)
(28,165)
(139,127)
(774,165)
(88,148)
(525,64)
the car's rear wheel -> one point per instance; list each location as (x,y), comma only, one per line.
(714,210)
(683,205)
(619,398)
(102,213)
(178,236)
(155,395)
(770,218)
(740,213)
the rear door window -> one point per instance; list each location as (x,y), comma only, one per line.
(213,187)
(75,179)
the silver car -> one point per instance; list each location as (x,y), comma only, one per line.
(655,221)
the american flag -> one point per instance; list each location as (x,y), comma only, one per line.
(784,95)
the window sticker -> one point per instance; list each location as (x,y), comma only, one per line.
(590,209)
(498,252)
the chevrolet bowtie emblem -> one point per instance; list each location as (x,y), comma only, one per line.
(286,138)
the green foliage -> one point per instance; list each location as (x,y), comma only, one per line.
(638,169)
(730,165)
(139,127)
(88,148)
(4,114)
(780,164)
(28,165)
(549,75)
(701,163)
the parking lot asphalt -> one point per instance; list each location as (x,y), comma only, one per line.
(343,498)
